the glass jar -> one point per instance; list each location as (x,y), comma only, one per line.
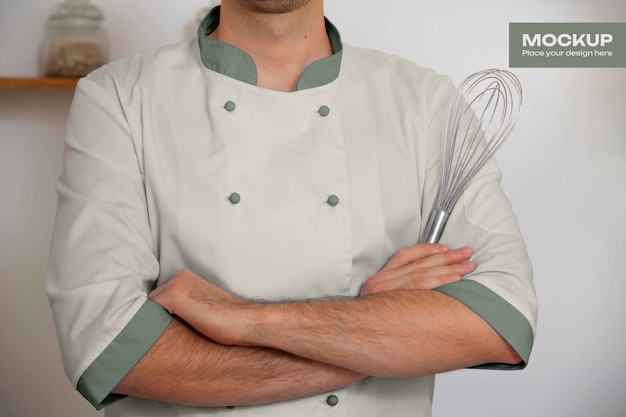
(75,42)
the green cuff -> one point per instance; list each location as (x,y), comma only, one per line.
(99,379)
(500,315)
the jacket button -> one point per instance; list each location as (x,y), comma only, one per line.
(324,111)
(333,200)
(332,400)
(230,106)
(234,198)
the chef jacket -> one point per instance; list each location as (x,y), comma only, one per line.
(175,158)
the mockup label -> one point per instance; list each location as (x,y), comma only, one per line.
(567,45)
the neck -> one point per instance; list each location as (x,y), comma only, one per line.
(282,45)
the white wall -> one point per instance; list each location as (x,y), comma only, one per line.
(564,169)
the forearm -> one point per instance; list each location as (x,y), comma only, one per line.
(184,367)
(396,329)
(392,334)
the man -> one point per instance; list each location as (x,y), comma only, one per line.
(228,217)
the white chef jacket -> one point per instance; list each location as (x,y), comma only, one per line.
(175,158)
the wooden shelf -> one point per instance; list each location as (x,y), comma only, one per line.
(38,83)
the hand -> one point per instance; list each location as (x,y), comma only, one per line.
(420,267)
(208,309)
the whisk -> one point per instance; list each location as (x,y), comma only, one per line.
(482,113)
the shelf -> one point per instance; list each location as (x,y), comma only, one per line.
(37,83)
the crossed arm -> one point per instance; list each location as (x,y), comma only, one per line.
(222,350)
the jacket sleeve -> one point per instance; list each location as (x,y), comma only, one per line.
(501,288)
(102,262)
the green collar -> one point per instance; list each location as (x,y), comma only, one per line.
(235,63)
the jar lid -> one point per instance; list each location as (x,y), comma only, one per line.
(76,8)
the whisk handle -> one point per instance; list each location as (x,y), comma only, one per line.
(434,227)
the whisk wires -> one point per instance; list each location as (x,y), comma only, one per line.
(482,113)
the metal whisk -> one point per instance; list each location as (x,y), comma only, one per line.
(482,113)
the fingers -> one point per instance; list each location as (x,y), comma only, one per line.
(424,267)
(428,282)
(414,253)
(450,257)
(426,256)
(412,278)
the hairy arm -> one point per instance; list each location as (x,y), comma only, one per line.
(394,334)
(396,329)
(187,367)
(184,367)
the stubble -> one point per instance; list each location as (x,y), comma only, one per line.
(273,6)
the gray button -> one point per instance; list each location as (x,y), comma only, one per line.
(234,198)
(324,111)
(230,106)
(333,200)
(332,400)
